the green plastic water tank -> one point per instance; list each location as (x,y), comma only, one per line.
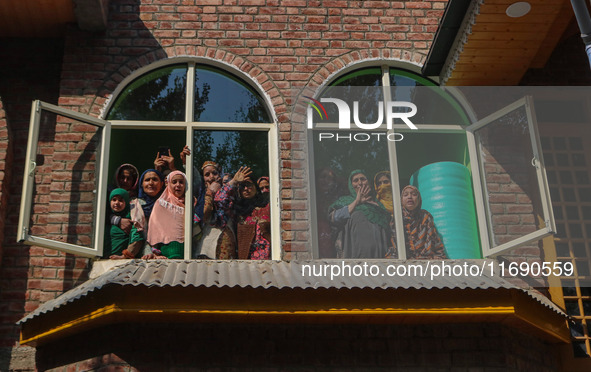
(446,191)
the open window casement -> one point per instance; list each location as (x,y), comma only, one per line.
(64,202)
(509,175)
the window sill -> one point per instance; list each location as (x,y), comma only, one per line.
(99,267)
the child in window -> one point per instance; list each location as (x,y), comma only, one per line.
(166,228)
(118,243)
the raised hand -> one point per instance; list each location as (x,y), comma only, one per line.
(364,191)
(241,175)
(169,160)
(186,152)
(159,163)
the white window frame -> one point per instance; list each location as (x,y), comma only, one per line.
(478,187)
(188,125)
(396,189)
(483,209)
(23,233)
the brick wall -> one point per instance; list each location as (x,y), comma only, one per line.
(302,347)
(28,275)
(278,44)
(5,170)
(512,187)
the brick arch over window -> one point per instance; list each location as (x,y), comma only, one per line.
(346,61)
(200,54)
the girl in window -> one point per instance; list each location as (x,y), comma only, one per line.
(363,223)
(118,243)
(126,177)
(252,212)
(166,232)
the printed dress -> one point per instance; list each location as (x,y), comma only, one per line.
(253,230)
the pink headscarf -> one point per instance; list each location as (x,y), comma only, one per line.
(167,222)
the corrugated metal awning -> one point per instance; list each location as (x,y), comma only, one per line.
(282,274)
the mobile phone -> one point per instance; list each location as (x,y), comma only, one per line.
(163,151)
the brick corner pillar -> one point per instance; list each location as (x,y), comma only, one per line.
(5,170)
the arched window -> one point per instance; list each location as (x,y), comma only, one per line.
(217,113)
(388,122)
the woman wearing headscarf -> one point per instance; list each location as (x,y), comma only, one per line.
(218,239)
(383,186)
(420,233)
(166,232)
(151,185)
(252,213)
(263,184)
(363,223)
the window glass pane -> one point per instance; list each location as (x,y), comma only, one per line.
(569,194)
(579,250)
(572,212)
(562,160)
(562,250)
(442,107)
(580,350)
(137,150)
(548,159)
(156,96)
(437,164)
(338,152)
(560,143)
(141,147)
(362,86)
(577,330)
(221,97)
(576,143)
(65,184)
(585,289)
(584,194)
(582,267)
(566,177)
(572,308)
(575,230)
(552,179)
(557,211)
(511,181)
(582,177)
(560,230)
(587,307)
(578,160)
(340,166)
(237,225)
(568,288)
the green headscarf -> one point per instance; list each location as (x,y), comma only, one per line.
(376,214)
(125,195)
(116,240)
